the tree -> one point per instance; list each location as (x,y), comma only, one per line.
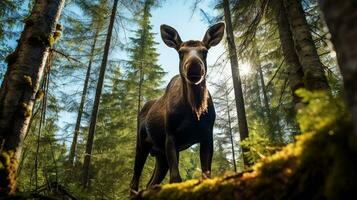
(21,83)
(237,85)
(268,114)
(314,74)
(143,70)
(83,98)
(98,93)
(294,68)
(224,123)
(341,21)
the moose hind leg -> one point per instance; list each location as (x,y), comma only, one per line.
(160,171)
(142,152)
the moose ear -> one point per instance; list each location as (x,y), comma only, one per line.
(214,35)
(170,36)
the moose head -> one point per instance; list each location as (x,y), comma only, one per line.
(193,53)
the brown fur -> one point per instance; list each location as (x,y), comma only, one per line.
(183,116)
(197,96)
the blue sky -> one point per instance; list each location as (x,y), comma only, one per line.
(178,14)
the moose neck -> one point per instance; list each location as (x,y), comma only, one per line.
(196,96)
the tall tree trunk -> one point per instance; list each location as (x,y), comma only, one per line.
(314,75)
(226,95)
(265,95)
(294,68)
(341,19)
(89,146)
(146,10)
(257,91)
(139,94)
(20,85)
(237,84)
(268,114)
(83,99)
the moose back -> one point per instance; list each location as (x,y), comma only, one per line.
(183,116)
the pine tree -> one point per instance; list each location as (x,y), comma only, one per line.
(237,83)
(225,129)
(97,23)
(142,66)
(94,115)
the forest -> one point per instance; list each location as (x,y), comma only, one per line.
(88,91)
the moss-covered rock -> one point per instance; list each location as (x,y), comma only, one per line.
(321,164)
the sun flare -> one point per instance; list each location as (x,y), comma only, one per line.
(245,69)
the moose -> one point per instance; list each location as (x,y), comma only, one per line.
(183,116)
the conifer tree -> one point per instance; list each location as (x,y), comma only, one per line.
(237,83)
(98,93)
(142,65)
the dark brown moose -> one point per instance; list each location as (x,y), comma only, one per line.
(183,116)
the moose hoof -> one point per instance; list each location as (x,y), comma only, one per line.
(175,180)
(206,175)
(133,192)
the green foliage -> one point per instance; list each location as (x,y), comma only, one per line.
(51,153)
(10,17)
(144,73)
(323,107)
(260,146)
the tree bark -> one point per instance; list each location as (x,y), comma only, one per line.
(226,95)
(294,68)
(94,115)
(83,98)
(20,85)
(314,75)
(341,19)
(237,84)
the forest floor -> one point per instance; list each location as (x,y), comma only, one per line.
(320,164)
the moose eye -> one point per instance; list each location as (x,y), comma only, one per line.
(204,53)
(180,54)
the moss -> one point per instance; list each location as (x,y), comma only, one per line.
(28,80)
(26,110)
(321,164)
(39,95)
(8,166)
(53,38)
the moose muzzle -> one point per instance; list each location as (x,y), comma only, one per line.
(195,71)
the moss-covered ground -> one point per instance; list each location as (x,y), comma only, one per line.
(320,164)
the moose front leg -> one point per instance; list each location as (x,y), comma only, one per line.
(172,159)
(206,153)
